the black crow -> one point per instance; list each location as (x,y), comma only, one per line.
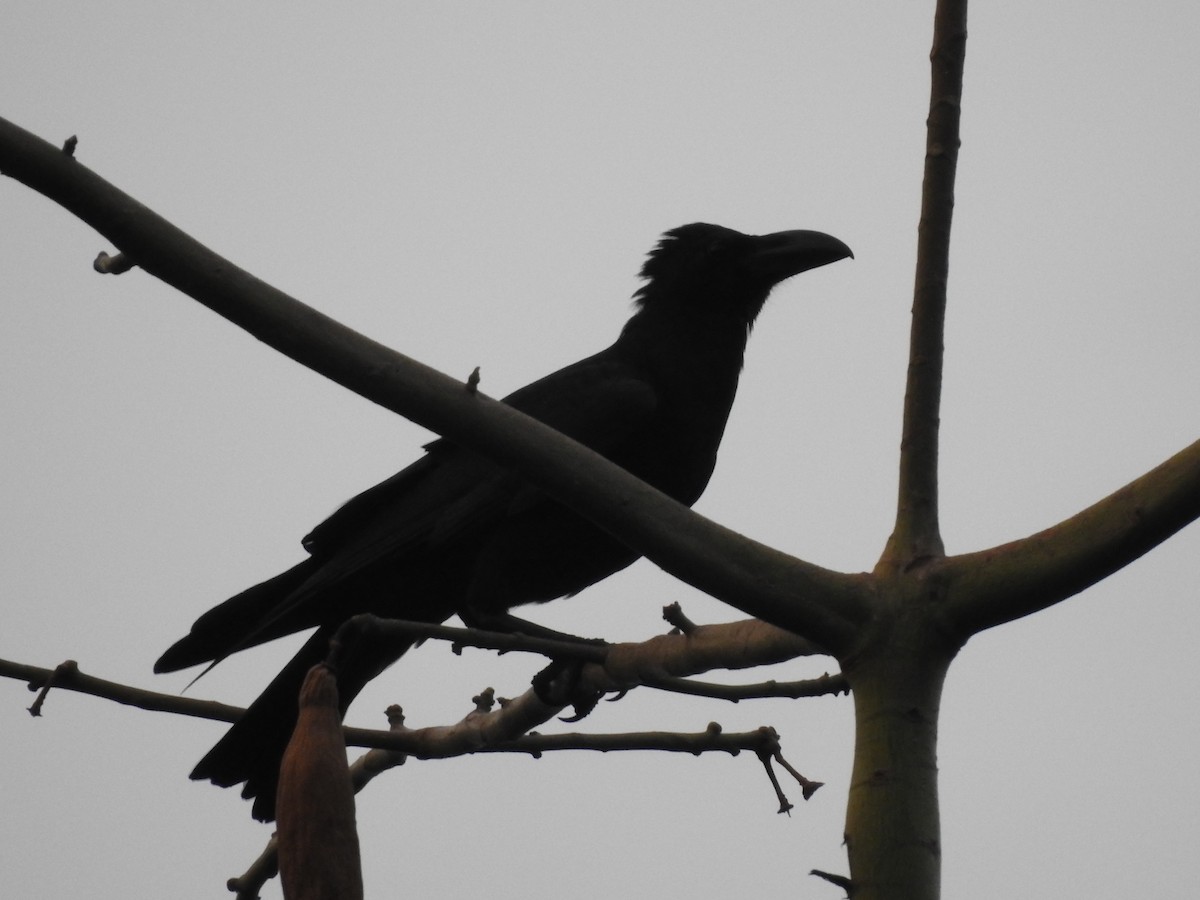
(454,533)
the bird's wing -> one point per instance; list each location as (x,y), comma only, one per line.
(351,516)
(601,401)
(598,402)
(453,493)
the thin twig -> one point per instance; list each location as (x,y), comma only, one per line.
(71,679)
(790,690)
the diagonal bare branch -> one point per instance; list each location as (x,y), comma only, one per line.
(994,586)
(752,577)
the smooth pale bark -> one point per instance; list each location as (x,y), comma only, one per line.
(916,534)
(893,836)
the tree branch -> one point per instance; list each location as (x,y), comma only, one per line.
(917,534)
(658,662)
(68,677)
(488,731)
(1003,583)
(483,731)
(727,645)
(750,576)
(612,667)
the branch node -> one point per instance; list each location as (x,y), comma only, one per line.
(62,672)
(673,613)
(473,381)
(112,265)
(395,716)
(69,145)
(485,700)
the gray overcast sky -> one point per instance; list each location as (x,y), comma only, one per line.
(476,184)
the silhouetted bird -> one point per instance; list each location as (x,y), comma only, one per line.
(457,534)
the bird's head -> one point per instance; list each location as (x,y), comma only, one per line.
(708,266)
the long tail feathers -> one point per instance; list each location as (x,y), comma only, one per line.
(252,749)
(236,623)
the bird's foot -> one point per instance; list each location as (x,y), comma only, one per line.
(561,684)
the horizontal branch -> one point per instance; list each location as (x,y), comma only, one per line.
(994,586)
(750,576)
(659,662)
(727,645)
(656,662)
(503,730)
(821,686)
(67,677)
(483,732)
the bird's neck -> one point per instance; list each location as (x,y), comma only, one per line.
(698,337)
(697,353)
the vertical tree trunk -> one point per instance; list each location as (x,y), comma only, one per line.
(892,826)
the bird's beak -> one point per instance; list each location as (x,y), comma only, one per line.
(786,253)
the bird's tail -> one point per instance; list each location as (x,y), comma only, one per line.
(238,622)
(252,749)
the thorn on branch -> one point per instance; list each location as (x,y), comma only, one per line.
(840,880)
(473,382)
(69,145)
(112,265)
(62,672)
(673,613)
